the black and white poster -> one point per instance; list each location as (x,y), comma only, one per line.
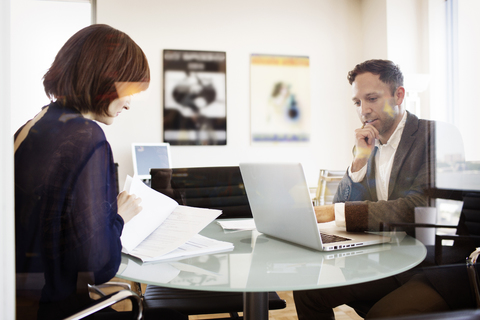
(194,97)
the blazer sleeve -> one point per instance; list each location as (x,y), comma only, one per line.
(371,215)
(409,181)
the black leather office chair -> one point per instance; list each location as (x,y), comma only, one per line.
(466,239)
(29,288)
(467,236)
(209,187)
(451,315)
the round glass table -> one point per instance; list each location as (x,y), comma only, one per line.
(259,264)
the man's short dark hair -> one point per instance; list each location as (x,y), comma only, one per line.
(85,70)
(389,72)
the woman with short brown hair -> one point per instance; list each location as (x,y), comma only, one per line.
(68,218)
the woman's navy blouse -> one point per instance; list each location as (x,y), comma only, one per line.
(66,224)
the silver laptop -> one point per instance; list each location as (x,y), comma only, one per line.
(282,208)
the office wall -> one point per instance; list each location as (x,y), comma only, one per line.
(407,28)
(437,109)
(7,262)
(468,65)
(327,31)
(374,30)
(408,42)
(34,44)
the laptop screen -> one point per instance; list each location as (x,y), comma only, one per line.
(150,155)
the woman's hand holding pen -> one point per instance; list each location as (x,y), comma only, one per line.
(364,144)
(128,206)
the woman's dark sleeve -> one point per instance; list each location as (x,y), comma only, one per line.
(95,204)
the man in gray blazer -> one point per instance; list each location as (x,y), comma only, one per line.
(387,179)
(364,209)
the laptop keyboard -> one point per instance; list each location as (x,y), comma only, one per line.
(329,238)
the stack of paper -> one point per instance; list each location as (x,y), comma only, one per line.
(165,230)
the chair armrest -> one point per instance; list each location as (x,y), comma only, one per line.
(473,276)
(138,289)
(332,178)
(111,299)
(97,288)
(472,259)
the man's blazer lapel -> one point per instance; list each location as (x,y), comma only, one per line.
(406,143)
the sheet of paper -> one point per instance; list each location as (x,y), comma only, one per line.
(156,207)
(180,226)
(237,224)
(197,246)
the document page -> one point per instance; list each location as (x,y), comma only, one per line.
(237,224)
(156,207)
(197,246)
(181,226)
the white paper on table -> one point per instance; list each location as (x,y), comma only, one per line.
(197,246)
(237,224)
(179,227)
(156,207)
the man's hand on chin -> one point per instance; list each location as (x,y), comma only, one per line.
(325,213)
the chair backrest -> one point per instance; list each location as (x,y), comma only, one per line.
(470,216)
(467,236)
(207,187)
(470,224)
(328,181)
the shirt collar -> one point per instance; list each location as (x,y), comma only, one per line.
(394,140)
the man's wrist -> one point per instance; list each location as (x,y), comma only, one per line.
(359,175)
(358,164)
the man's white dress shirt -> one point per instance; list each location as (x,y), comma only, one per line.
(383,168)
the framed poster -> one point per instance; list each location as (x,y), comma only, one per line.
(194,97)
(279,99)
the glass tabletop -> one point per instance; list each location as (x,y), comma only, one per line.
(260,263)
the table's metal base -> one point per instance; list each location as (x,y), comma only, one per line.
(255,305)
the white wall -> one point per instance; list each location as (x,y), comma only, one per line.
(408,42)
(468,65)
(326,31)
(34,46)
(407,34)
(437,57)
(412,34)
(7,262)
(374,30)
